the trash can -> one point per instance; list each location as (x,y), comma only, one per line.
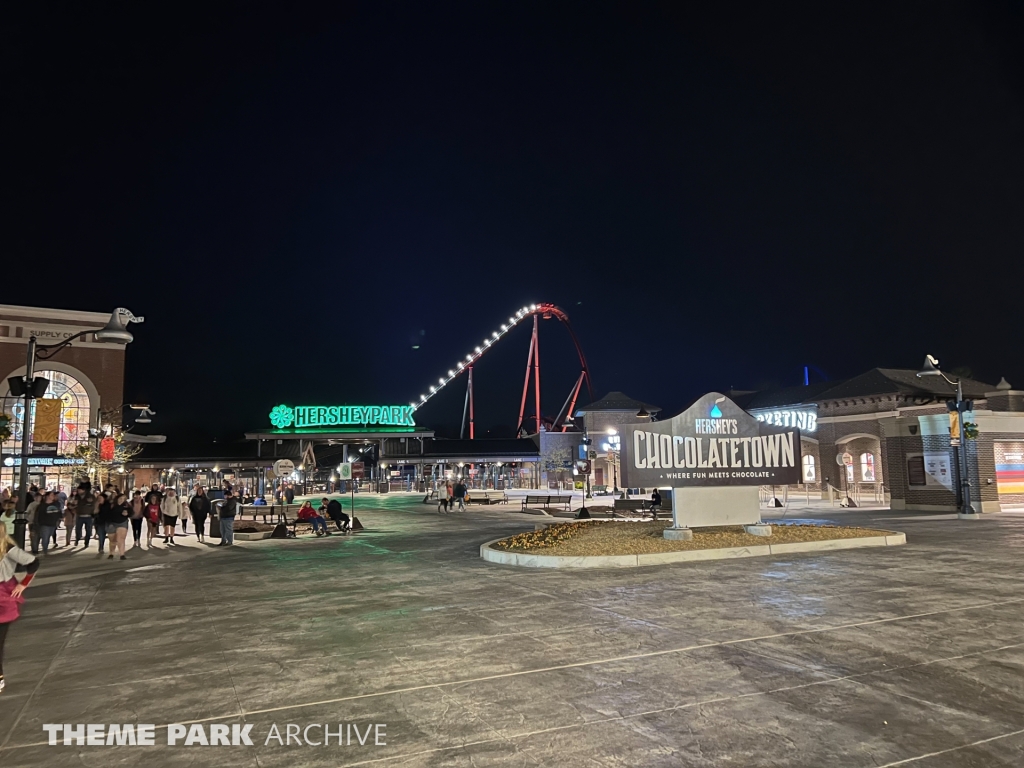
(215,519)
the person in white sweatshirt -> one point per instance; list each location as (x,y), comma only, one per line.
(170,510)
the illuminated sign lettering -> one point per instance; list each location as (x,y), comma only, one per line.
(804,418)
(45,461)
(305,416)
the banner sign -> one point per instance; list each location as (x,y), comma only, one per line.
(714,442)
(46,428)
(304,416)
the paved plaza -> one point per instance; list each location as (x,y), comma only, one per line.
(875,657)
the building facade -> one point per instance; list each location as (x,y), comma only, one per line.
(86,378)
(602,422)
(884,436)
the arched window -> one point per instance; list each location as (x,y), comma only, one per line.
(867,467)
(809,474)
(74,415)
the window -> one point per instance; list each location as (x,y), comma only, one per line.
(808,462)
(74,415)
(867,467)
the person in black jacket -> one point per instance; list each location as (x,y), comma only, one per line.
(48,515)
(199,508)
(655,503)
(335,512)
(105,514)
(227,520)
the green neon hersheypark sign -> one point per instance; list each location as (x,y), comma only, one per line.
(303,416)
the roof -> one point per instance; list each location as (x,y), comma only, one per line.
(877,381)
(773,398)
(617,401)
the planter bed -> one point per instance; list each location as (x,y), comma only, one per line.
(590,544)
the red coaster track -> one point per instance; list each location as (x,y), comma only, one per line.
(537,312)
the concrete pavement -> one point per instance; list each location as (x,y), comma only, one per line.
(910,655)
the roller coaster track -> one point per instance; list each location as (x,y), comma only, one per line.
(537,312)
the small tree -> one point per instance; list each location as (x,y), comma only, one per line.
(556,459)
(90,454)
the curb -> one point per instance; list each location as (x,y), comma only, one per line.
(529,560)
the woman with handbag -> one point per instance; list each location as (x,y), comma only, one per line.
(11,557)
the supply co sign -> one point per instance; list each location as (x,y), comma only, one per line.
(714,442)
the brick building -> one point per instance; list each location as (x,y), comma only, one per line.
(603,420)
(87,377)
(894,427)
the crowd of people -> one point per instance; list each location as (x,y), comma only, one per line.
(109,513)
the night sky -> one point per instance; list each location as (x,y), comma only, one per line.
(296,199)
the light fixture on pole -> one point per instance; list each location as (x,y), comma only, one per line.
(114,332)
(960,406)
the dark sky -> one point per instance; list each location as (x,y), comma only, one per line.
(295,198)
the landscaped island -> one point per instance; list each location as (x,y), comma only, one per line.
(598,543)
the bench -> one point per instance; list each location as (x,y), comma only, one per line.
(546,501)
(600,490)
(488,497)
(635,505)
(277,513)
(295,521)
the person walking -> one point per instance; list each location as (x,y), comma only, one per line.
(30,520)
(459,492)
(70,505)
(138,506)
(185,514)
(48,514)
(85,511)
(117,525)
(227,520)
(152,519)
(170,509)
(442,497)
(199,508)
(12,557)
(60,505)
(104,514)
(289,494)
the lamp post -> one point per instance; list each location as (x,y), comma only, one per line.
(114,332)
(931,368)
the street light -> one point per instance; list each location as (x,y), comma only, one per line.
(931,368)
(114,332)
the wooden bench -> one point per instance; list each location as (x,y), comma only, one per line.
(643,506)
(295,521)
(488,497)
(277,513)
(546,501)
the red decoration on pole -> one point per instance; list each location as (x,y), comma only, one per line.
(107,449)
